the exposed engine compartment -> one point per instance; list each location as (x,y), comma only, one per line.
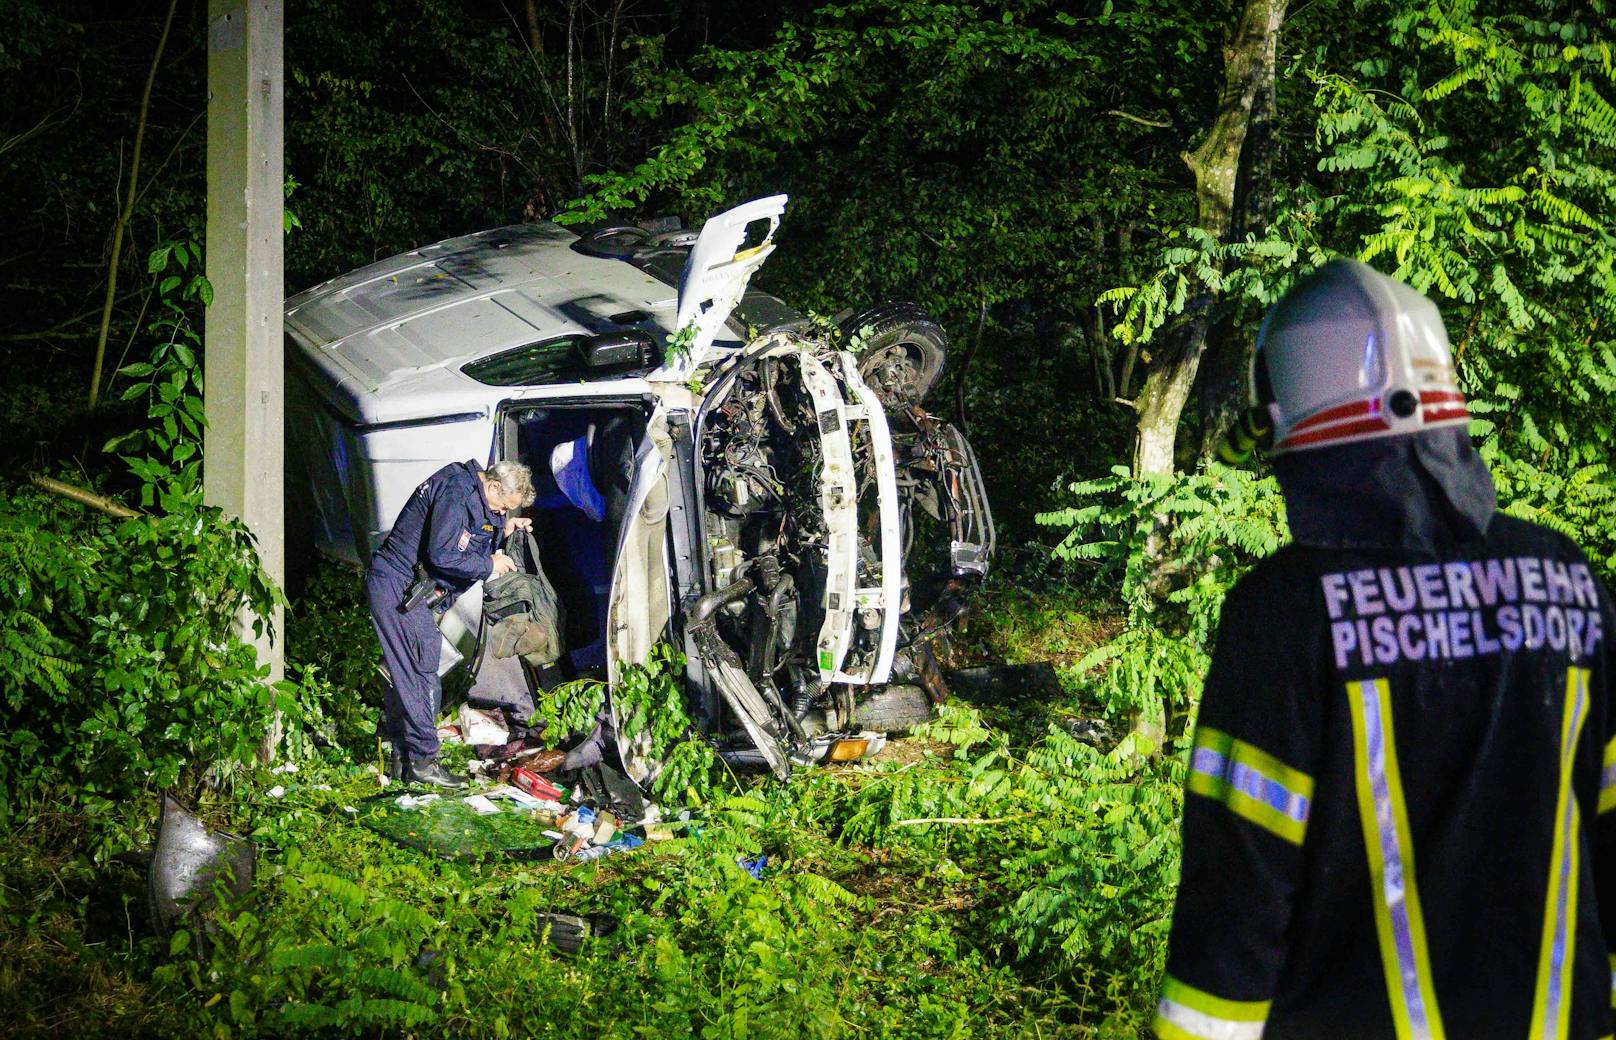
(809,487)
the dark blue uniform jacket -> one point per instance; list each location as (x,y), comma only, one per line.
(447,526)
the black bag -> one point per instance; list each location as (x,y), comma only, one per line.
(523,615)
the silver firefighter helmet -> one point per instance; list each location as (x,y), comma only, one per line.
(1352,355)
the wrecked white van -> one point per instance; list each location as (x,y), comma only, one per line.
(712,468)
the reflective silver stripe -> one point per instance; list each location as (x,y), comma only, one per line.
(1393,888)
(1565,834)
(1251,782)
(1203,1026)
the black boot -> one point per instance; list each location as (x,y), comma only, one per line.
(427,771)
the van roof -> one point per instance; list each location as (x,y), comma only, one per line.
(386,342)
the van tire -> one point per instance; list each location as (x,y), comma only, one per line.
(894,710)
(902,353)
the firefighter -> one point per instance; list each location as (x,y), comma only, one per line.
(448,529)
(1400,810)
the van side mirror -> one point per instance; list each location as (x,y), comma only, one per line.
(612,349)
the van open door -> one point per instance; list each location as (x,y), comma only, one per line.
(639,607)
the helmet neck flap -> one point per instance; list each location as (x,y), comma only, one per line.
(1422,491)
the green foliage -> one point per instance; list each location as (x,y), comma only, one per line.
(1176,544)
(332,658)
(1254,272)
(171,384)
(1098,897)
(349,934)
(1481,173)
(121,668)
(648,703)
(124,667)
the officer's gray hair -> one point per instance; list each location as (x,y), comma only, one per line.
(514,477)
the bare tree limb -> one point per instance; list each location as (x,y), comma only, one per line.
(59,330)
(1161,124)
(85,498)
(963,821)
(128,209)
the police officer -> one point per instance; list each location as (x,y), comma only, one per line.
(449,527)
(1400,811)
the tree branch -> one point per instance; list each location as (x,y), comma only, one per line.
(85,498)
(1160,124)
(963,821)
(128,209)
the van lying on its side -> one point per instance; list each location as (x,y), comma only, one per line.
(748,488)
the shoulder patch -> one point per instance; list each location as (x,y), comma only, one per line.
(465,540)
(488,527)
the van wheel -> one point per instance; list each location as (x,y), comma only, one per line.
(894,710)
(901,352)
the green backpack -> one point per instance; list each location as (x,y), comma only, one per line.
(523,616)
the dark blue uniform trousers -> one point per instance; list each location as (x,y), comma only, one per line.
(411,645)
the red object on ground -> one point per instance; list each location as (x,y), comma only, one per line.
(534,784)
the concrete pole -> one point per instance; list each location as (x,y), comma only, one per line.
(244,396)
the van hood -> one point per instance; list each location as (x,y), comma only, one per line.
(1423,491)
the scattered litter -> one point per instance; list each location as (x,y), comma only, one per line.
(520,797)
(584,854)
(535,785)
(449,733)
(276,792)
(482,727)
(349,809)
(589,815)
(1093,732)
(605,828)
(753,866)
(284,768)
(851,749)
(482,805)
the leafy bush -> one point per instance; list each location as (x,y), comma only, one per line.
(1176,545)
(121,656)
(649,704)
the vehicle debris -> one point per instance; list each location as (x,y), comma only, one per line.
(187,859)
(567,933)
(579,817)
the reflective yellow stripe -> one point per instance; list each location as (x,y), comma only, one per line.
(1613,982)
(1551,1007)
(1187,1013)
(1250,783)
(1607,779)
(1399,921)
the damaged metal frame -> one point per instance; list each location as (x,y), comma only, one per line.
(411,363)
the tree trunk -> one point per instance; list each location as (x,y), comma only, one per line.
(1224,393)
(1216,165)
(1170,370)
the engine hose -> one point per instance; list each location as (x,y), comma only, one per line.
(773,399)
(705,607)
